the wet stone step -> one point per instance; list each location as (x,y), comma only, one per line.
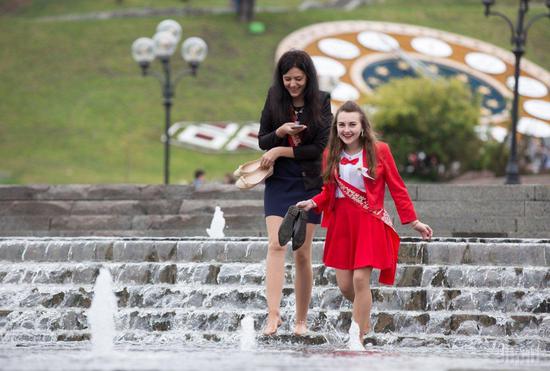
(254,274)
(385,322)
(491,252)
(502,346)
(178,296)
(165,337)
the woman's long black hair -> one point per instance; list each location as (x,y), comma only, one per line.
(280,101)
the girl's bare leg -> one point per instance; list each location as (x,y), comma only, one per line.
(275,274)
(344,278)
(363,299)
(303,282)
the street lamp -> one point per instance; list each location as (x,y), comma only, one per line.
(519,37)
(162,46)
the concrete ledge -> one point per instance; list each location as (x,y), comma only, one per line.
(174,210)
(447,192)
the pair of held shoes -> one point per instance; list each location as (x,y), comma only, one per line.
(250,174)
(293,226)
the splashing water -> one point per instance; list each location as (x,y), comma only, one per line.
(247,334)
(354,341)
(101,316)
(217,225)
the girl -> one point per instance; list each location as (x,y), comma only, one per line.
(294,131)
(360,235)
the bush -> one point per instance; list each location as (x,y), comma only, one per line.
(429,125)
(493,157)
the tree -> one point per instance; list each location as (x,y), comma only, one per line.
(429,124)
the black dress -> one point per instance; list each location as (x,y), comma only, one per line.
(295,179)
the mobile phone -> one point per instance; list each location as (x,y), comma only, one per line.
(297,126)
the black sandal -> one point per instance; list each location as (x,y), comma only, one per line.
(299,230)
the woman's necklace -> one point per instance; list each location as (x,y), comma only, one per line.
(298,112)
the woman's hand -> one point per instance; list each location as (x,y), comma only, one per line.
(306,205)
(289,128)
(268,159)
(424,229)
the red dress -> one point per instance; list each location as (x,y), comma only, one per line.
(357,238)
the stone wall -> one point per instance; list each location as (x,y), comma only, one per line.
(157,210)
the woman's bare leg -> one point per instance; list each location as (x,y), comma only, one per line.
(303,282)
(363,299)
(275,274)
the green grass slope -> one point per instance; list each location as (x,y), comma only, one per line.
(74,108)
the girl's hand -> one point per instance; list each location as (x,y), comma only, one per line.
(306,205)
(268,159)
(424,229)
(289,128)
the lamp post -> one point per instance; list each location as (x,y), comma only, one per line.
(162,46)
(518,40)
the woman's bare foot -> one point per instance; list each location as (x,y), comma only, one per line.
(300,328)
(271,325)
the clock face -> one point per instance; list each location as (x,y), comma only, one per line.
(354,58)
(383,71)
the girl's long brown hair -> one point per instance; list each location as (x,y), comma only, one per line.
(335,145)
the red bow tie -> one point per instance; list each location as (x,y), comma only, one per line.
(345,161)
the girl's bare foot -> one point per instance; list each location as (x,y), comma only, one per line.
(271,325)
(364,332)
(300,328)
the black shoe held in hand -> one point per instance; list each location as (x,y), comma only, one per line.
(299,230)
(287,226)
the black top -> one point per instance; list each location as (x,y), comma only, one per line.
(314,140)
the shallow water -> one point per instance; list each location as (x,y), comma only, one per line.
(273,357)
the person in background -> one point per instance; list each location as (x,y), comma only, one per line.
(198,180)
(294,129)
(360,235)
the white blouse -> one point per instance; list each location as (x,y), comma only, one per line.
(351,173)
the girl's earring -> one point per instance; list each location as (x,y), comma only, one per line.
(362,132)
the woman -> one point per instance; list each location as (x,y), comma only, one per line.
(360,235)
(294,130)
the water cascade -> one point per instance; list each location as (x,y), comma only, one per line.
(354,343)
(247,334)
(449,294)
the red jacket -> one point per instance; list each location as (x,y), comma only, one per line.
(386,173)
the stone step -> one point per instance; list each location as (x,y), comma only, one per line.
(14,297)
(443,251)
(115,192)
(433,323)
(104,208)
(407,275)
(133,233)
(94,224)
(503,345)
